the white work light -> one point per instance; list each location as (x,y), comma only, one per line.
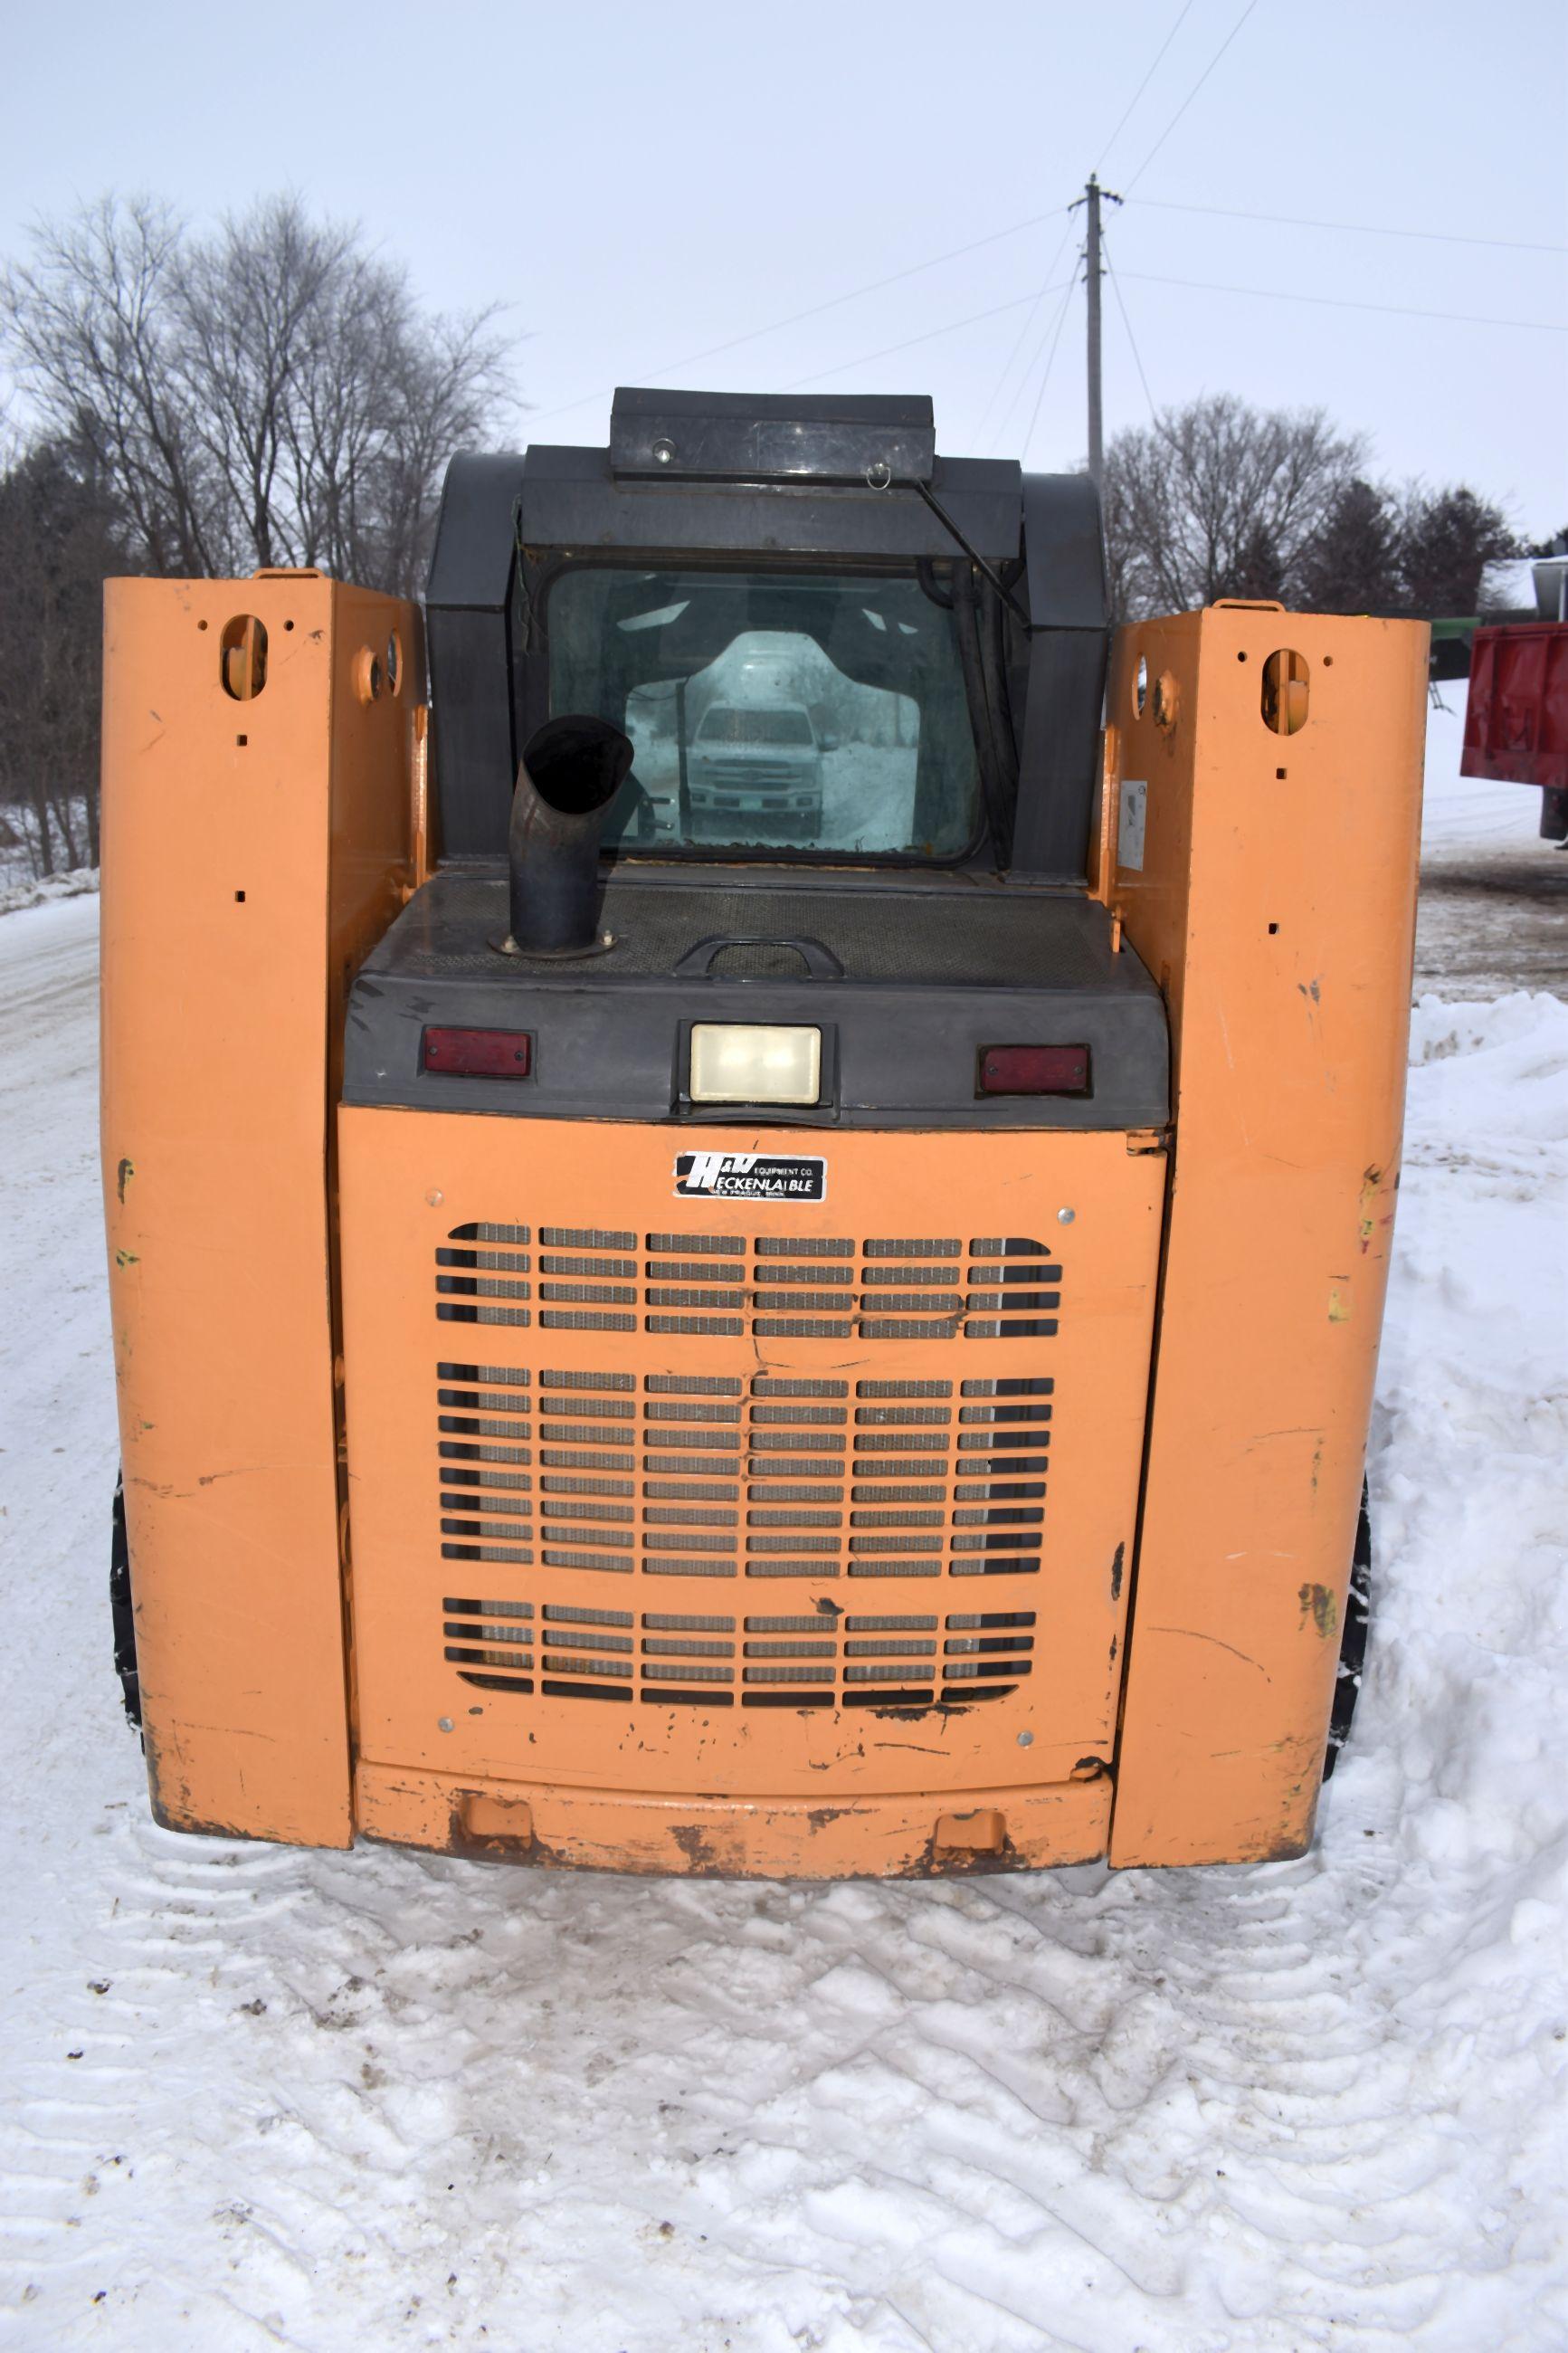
(754,1062)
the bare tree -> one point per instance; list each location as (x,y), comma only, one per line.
(271,395)
(1216,498)
(90,332)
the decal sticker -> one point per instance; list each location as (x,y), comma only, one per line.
(750,1176)
(1130,820)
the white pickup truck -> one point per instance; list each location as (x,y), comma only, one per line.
(755,769)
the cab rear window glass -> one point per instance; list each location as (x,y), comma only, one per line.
(770,712)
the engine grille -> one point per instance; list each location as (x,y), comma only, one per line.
(903,1659)
(768,775)
(676,1477)
(722,1286)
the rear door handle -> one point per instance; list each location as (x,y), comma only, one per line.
(820,962)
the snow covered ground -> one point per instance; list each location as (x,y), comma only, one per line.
(253,2098)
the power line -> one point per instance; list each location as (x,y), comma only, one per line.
(1186,102)
(1344,302)
(1024,330)
(930,335)
(1359,228)
(755,334)
(1143,85)
(1132,337)
(1040,396)
(1047,336)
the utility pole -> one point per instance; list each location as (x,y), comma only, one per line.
(1096,419)
(1094,270)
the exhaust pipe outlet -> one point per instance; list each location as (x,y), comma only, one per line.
(571,769)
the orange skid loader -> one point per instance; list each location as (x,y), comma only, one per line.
(803,1298)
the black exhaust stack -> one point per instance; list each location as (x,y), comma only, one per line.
(570,771)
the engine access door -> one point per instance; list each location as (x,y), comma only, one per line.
(743,1463)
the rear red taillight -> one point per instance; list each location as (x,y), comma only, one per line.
(477,1053)
(1034,1069)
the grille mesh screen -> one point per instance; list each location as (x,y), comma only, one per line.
(905,1658)
(753,1484)
(686,1536)
(694,1286)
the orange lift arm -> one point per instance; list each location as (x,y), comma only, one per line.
(258,740)
(1266,861)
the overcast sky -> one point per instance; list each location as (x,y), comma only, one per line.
(639,183)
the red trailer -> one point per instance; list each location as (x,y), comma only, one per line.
(1516,721)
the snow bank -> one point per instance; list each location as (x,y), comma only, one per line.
(256,2097)
(48,888)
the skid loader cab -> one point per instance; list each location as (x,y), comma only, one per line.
(804,1300)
